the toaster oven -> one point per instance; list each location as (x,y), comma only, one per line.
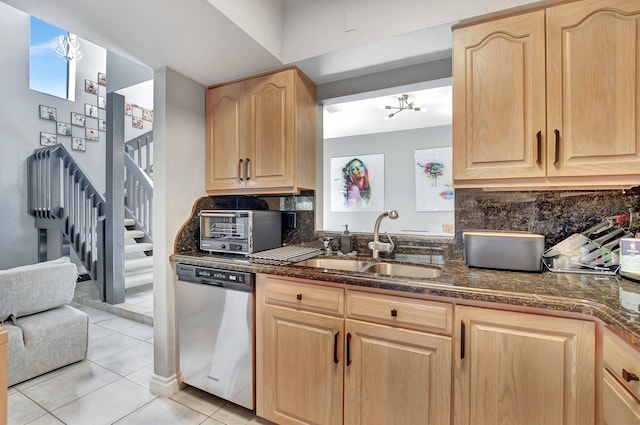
(239,231)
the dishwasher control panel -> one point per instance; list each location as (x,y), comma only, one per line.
(243,281)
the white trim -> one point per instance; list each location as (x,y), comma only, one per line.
(71,78)
(163,386)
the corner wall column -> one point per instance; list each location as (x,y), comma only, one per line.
(114,214)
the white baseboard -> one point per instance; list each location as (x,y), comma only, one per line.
(163,386)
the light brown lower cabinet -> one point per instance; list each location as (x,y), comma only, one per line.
(301,381)
(620,381)
(396,376)
(314,366)
(329,356)
(619,407)
(524,369)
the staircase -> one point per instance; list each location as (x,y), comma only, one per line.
(138,257)
(67,208)
(138,205)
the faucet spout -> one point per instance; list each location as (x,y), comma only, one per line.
(376,246)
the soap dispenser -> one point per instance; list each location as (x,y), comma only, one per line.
(346,241)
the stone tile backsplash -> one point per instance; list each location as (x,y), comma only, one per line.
(555,214)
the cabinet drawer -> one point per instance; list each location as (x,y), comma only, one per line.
(618,405)
(402,312)
(622,360)
(304,296)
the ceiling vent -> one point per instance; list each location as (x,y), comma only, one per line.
(332,109)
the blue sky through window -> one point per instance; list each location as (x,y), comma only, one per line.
(48,72)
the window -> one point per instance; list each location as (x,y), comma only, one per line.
(48,72)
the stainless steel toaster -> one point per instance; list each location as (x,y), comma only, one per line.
(505,250)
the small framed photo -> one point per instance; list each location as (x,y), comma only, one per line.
(102,102)
(91,134)
(102,79)
(147,115)
(102,125)
(90,86)
(63,128)
(48,139)
(136,122)
(77,119)
(91,110)
(78,144)
(137,111)
(128,108)
(48,113)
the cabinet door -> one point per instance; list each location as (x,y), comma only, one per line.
(302,381)
(499,99)
(593,59)
(225,134)
(271,130)
(619,407)
(526,369)
(396,376)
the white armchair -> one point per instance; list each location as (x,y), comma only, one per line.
(45,332)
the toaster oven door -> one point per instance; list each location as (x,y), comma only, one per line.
(223,226)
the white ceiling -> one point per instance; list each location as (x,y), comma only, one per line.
(367,116)
(213,41)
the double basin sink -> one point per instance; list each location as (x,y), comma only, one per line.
(374,266)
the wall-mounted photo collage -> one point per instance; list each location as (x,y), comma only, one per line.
(83,126)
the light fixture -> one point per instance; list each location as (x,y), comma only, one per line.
(404,103)
(68,47)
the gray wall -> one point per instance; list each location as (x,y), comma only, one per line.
(123,73)
(398,148)
(20,127)
(179,134)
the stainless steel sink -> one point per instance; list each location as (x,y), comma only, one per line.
(404,270)
(333,263)
(381,268)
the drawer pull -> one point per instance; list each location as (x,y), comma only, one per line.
(394,313)
(629,376)
(299,297)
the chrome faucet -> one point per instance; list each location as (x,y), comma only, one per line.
(375,245)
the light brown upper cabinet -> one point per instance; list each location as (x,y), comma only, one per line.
(549,98)
(261,135)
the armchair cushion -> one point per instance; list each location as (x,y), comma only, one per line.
(38,287)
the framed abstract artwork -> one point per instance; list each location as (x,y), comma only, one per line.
(434,179)
(357,183)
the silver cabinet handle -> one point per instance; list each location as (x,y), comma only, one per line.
(240,170)
(247,172)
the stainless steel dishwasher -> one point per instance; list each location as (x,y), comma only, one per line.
(216,331)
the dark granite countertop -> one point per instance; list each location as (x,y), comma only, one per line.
(598,296)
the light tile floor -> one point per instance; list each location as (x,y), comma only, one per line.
(137,305)
(112,385)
